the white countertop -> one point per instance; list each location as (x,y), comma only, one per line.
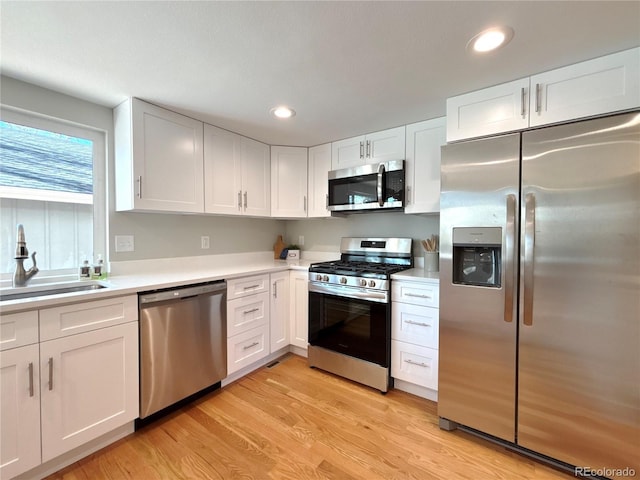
(162,274)
(417,275)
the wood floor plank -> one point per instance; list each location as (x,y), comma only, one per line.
(291,422)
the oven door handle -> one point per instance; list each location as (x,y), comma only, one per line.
(348,292)
(380,184)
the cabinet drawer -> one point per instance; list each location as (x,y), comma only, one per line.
(246,348)
(83,317)
(415,293)
(246,313)
(415,324)
(414,364)
(18,329)
(241,287)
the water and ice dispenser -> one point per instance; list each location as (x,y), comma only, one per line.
(477,256)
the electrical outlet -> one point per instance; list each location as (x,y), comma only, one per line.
(124,243)
(204,242)
(301,240)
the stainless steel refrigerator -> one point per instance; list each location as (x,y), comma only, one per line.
(540,291)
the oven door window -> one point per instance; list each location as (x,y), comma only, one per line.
(350,326)
(353,190)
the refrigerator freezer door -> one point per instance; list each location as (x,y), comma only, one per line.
(579,360)
(477,370)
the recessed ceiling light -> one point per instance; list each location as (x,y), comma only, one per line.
(490,39)
(282,112)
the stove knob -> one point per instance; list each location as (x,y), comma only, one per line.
(363,282)
(343,280)
(318,277)
(325,278)
(372,283)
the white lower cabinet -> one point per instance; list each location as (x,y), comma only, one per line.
(61,393)
(247,347)
(248,316)
(279,310)
(20,410)
(299,304)
(88,386)
(414,334)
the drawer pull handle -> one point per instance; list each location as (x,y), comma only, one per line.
(420,324)
(50,373)
(252,286)
(417,295)
(251,346)
(419,364)
(251,311)
(31,379)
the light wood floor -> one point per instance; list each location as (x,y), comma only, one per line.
(293,422)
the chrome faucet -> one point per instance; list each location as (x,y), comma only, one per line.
(22,276)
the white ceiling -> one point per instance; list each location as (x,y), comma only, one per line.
(347,68)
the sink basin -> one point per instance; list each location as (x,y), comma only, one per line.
(19,293)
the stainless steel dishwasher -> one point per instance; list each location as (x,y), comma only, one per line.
(183,343)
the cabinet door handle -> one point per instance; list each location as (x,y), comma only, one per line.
(50,373)
(420,324)
(361,149)
(538,97)
(251,346)
(408,199)
(240,200)
(252,286)
(139,182)
(417,295)
(305,204)
(523,95)
(368,149)
(419,364)
(251,311)
(327,205)
(275,289)
(31,379)
(245,200)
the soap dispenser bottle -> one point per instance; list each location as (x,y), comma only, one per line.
(98,269)
(84,272)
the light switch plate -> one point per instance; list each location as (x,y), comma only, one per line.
(204,242)
(124,243)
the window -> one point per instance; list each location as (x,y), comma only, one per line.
(52,180)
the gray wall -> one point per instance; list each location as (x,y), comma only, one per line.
(155,235)
(324,234)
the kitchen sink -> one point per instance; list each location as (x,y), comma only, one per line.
(19,293)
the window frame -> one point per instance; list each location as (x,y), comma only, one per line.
(100,205)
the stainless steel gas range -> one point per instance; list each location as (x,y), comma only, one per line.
(350,309)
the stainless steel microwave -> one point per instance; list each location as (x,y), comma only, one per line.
(367,187)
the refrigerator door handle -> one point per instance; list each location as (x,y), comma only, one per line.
(529,243)
(509,270)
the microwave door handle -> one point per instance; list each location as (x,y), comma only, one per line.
(380,184)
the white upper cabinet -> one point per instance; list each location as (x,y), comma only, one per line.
(422,166)
(318,181)
(492,110)
(595,87)
(602,85)
(256,178)
(159,159)
(237,174)
(288,182)
(372,148)
(222,171)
